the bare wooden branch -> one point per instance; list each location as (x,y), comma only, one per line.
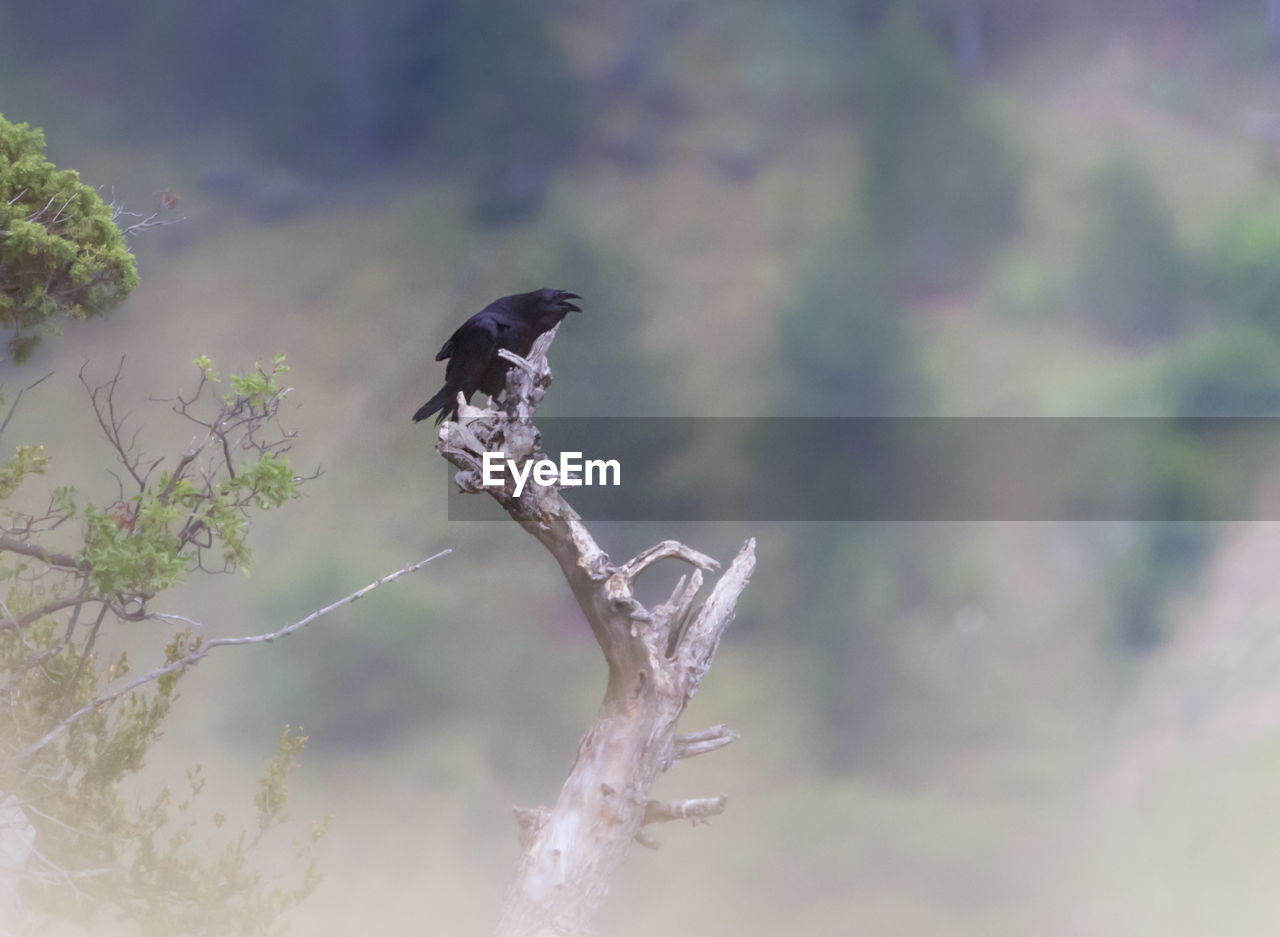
(13,407)
(515,359)
(677,610)
(11,544)
(144,222)
(699,809)
(708,740)
(206,647)
(18,622)
(656,660)
(702,636)
(643,839)
(666,549)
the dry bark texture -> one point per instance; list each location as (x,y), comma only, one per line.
(656,658)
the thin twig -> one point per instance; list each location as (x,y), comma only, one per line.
(171,617)
(54,605)
(204,649)
(699,743)
(86,652)
(13,407)
(11,544)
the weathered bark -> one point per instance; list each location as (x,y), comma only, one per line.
(656,659)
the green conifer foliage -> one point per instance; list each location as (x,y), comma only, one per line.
(61,253)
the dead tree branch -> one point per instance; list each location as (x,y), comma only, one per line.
(699,809)
(656,659)
(13,407)
(699,743)
(11,544)
(203,649)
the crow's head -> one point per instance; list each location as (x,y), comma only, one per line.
(546,307)
(556,301)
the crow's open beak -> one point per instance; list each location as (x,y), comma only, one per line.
(568,305)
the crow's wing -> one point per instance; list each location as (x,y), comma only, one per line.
(447,348)
(493,319)
(471,350)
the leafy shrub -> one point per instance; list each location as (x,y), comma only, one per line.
(80,718)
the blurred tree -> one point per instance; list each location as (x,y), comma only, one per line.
(480,85)
(853,579)
(1131,278)
(844,349)
(61,254)
(1234,371)
(1163,560)
(844,346)
(1244,266)
(1189,472)
(512,103)
(979,33)
(605,365)
(942,179)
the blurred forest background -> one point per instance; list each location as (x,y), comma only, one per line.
(819,207)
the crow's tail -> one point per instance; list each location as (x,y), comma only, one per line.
(445,401)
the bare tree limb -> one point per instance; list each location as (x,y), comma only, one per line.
(13,407)
(708,740)
(666,549)
(699,809)
(145,222)
(11,544)
(656,659)
(18,622)
(206,647)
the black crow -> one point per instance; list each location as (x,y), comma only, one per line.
(513,323)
